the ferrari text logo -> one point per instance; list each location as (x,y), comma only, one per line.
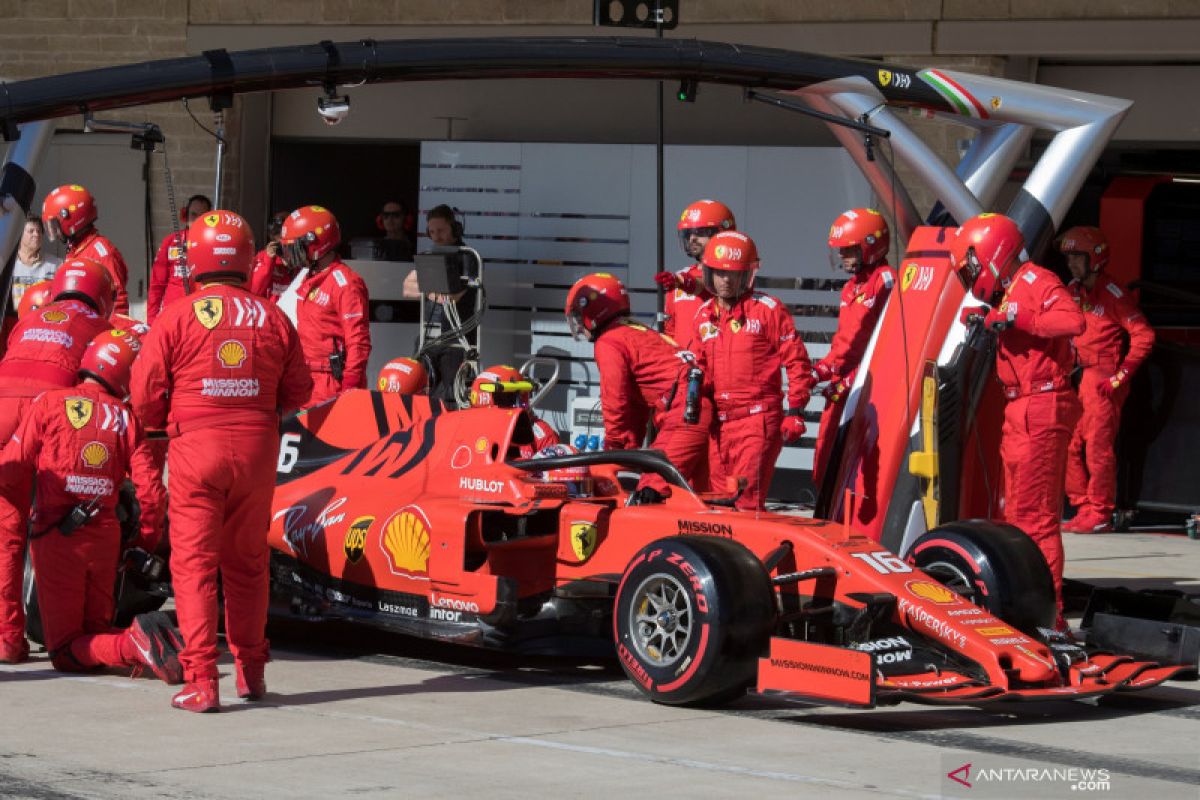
(209,311)
(79,411)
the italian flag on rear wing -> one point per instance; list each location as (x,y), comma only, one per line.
(953,92)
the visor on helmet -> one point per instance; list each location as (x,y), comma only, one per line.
(838,254)
(702,233)
(743,280)
(295,254)
(54,231)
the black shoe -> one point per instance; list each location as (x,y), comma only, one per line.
(158,644)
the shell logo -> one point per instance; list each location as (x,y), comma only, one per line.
(94,454)
(77,187)
(54,316)
(405,542)
(933,592)
(481,444)
(232,354)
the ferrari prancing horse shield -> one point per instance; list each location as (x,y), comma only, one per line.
(79,411)
(209,311)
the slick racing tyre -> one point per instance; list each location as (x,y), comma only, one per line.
(993,565)
(693,615)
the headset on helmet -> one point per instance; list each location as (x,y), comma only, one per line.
(86,280)
(986,250)
(863,228)
(502,386)
(309,233)
(220,246)
(109,359)
(68,211)
(594,302)
(403,376)
(1089,241)
(36,296)
(730,251)
(704,219)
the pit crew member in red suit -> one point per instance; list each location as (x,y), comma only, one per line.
(77,445)
(70,216)
(685,291)
(1036,318)
(859,245)
(168,272)
(743,339)
(505,387)
(43,354)
(1111,314)
(217,371)
(271,276)
(644,376)
(403,376)
(331,311)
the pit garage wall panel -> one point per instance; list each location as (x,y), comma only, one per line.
(544,215)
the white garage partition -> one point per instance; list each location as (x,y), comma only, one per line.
(544,215)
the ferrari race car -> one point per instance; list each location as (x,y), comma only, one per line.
(393,511)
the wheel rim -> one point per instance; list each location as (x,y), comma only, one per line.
(660,620)
(953,578)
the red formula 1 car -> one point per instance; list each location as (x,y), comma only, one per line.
(392,511)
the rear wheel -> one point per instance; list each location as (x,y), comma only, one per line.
(994,565)
(693,615)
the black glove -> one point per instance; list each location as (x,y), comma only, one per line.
(646,496)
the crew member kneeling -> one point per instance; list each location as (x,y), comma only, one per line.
(644,375)
(220,368)
(78,444)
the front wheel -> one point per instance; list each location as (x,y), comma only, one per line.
(693,615)
(994,565)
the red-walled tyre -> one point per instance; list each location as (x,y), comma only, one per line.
(994,565)
(693,615)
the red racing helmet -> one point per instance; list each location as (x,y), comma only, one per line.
(730,251)
(36,296)
(704,219)
(1089,241)
(68,211)
(595,301)
(987,250)
(86,280)
(864,228)
(403,376)
(501,386)
(109,359)
(220,245)
(308,234)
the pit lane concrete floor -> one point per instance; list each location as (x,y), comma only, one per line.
(352,713)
